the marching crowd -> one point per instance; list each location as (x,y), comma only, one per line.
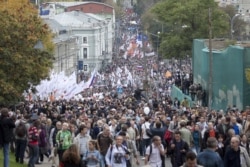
(118,132)
(119,128)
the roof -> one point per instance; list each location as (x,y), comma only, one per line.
(69,4)
(63,23)
(220,44)
(76,19)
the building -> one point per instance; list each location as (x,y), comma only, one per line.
(244,8)
(224,3)
(241,7)
(89,25)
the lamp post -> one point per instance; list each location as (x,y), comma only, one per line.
(158,61)
(232,23)
(157,44)
(39,47)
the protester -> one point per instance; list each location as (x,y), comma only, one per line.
(197,140)
(92,156)
(43,143)
(210,132)
(179,148)
(21,138)
(71,157)
(244,142)
(209,158)
(104,140)
(236,155)
(53,143)
(33,144)
(191,160)
(131,148)
(145,138)
(154,153)
(186,134)
(63,140)
(7,125)
(82,140)
(117,154)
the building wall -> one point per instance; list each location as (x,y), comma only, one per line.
(98,33)
(229,86)
(65,56)
(246,78)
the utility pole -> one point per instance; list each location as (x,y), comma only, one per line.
(210,84)
(145,83)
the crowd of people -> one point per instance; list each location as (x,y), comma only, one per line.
(118,124)
(119,132)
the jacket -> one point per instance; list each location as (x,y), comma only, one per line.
(238,158)
(178,157)
(159,132)
(204,158)
(84,146)
(63,139)
(7,126)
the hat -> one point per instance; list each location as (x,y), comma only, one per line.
(168,118)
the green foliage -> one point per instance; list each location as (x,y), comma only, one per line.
(21,65)
(229,42)
(186,21)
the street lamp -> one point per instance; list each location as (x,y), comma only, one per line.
(231,23)
(157,44)
(158,61)
(157,49)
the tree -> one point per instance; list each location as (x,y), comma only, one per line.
(142,6)
(186,21)
(117,7)
(21,63)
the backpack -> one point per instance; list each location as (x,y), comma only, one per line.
(168,136)
(148,131)
(21,130)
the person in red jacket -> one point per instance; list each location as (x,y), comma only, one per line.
(33,134)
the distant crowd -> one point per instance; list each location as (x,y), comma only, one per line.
(111,132)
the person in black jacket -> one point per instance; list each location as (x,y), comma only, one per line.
(6,134)
(178,150)
(138,94)
(158,130)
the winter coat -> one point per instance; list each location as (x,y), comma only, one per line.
(7,126)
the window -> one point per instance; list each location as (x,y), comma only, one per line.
(85,67)
(85,40)
(85,53)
